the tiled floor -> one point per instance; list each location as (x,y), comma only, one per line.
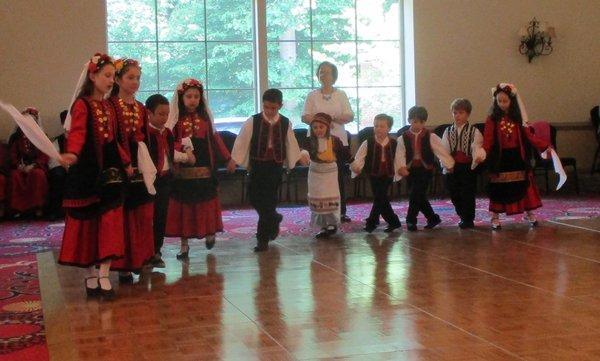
(444,294)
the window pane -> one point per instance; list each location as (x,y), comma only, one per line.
(379,63)
(131,20)
(229,20)
(289,64)
(333,20)
(230,65)
(145,53)
(380,100)
(352,127)
(143,95)
(343,55)
(288,20)
(180,20)
(293,104)
(378,20)
(231,107)
(178,61)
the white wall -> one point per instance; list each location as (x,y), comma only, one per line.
(465,47)
(462,49)
(43,46)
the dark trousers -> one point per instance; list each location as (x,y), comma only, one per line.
(56,181)
(381,202)
(462,184)
(263,192)
(418,182)
(342,185)
(161,205)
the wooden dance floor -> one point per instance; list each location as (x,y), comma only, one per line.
(445,294)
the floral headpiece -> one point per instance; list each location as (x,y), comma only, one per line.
(120,64)
(506,88)
(31,110)
(188,83)
(98,61)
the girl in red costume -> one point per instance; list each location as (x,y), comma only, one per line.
(29,172)
(139,206)
(507,144)
(96,163)
(194,207)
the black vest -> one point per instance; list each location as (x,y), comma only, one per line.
(426,153)
(260,138)
(374,156)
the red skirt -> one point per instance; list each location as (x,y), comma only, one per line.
(28,189)
(194,220)
(139,238)
(2,187)
(530,201)
(91,241)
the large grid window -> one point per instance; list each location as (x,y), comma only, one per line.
(216,41)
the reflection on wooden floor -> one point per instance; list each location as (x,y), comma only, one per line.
(444,294)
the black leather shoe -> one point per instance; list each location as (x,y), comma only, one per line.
(209,243)
(345,219)
(432,223)
(107,295)
(183,256)
(411,227)
(275,232)
(322,234)
(370,228)
(91,292)
(126,279)
(261,246)
(465,224)
(331,231)
(392,227)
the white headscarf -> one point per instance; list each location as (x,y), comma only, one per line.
(174,106)
(513,91)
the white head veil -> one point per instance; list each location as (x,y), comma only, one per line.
(174,106)
(84,73)
(513,91)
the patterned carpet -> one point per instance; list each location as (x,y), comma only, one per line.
(21,319)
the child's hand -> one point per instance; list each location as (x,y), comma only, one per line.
(355,168)
(231,166)
(191,158)
(67,159)
(129,171)
(403,172)
(478,159)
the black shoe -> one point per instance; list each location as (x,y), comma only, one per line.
(432,223)
(183,256)
(466,224)
(261,246)
(275,232)
(156,261)
(411,227)
(331,231)
(345,219)
(210,243)
(369,228)
(91,292)
(322,234)
(107,295)
(392,227)
(126,279)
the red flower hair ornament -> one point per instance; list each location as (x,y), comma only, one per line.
(98,61)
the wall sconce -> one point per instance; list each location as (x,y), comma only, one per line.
(536,39)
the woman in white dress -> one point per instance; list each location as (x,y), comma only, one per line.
(335,103)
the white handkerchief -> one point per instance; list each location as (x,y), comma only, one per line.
(32,131)
(558,168)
